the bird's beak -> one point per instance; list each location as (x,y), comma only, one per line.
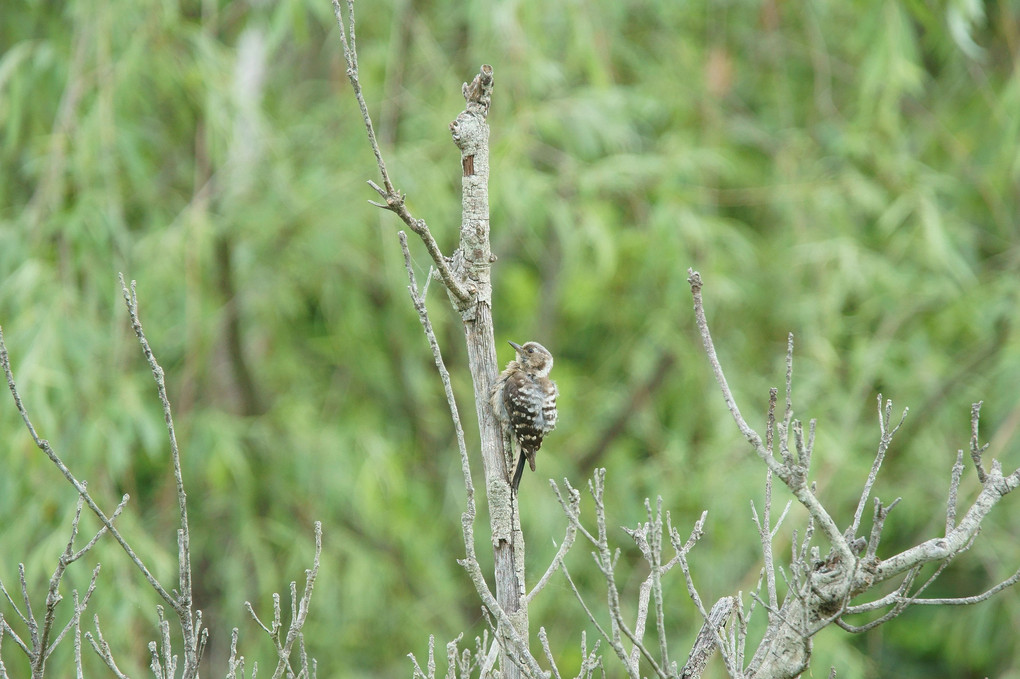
(517,347)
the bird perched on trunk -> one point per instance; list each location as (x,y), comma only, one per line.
(524,400)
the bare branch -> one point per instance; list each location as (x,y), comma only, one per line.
(788,414)
(794,481)
(605,559)
(770,423)
(78,608)
(568,541)
(890,598)
(954,487)
(299,609)
(614,641)
(694,278)
(883,446)
(705,643)
(5,627)
(44,445)
(765,536)
(102,649)
(968,600)
(995,487)
(571,509)
(394,199)
(590,660)
(739,630)
(182,605)
(877,524)
(235,663)
(102,531)
(713,629)
(10,600)
(901,604)
(777,614)
(431,673)
(649,541)
(976,451)
(418,300)
(543,639)
(901,601)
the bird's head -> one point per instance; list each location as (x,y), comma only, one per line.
(534,358)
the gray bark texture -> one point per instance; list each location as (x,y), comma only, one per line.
(471,265)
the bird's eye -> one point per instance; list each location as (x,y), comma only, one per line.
(531,351)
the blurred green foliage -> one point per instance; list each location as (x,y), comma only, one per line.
(845,171)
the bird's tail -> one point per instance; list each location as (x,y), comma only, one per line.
(519,473)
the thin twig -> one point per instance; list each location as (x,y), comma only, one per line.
(994,489)
(649,541)
(877,524)
(954,488)
(102,649)
(571,509)
(606,561)
(788,413)
(543,639)
(770,422)
(777,614)
(890,598)
(183,603)
(79,607)
(694,278)
(44,445)
(741,628)
(418,300)
(968,600)
(975,450)
(794,482)
(561,553)
(299,608)
(724,651)
(883,446)
(903,602)
(394,199)
(614,643)
(765,533)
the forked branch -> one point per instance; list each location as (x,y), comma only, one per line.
(393,200)
(793,474)
(820,590)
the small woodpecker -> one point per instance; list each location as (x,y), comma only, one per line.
(524,400)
